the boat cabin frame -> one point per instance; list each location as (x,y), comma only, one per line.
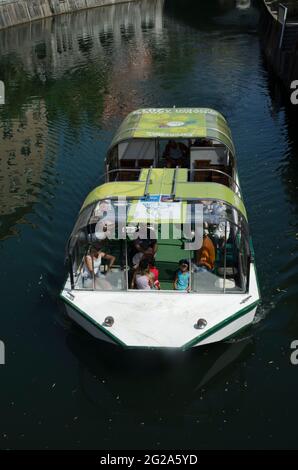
(163,190)
(142,140)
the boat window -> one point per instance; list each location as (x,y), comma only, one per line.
(221,263)
(100,266)
(218,263)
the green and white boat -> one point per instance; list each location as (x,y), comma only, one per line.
(171,193)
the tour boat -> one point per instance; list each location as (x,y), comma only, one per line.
(161,255)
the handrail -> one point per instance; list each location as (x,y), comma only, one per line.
(146,192)
(231,179)
(174,182)
(106,175)
(233,184)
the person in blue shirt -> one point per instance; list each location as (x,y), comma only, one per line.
(182,276)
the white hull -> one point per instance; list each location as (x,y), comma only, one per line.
(221,335)
(162,320)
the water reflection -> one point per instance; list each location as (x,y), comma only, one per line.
(228,13)
(54,76)
(152,385)
(22,163)
(69,81)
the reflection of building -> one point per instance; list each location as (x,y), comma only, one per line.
(22,158)
(50,47)
(108,42)
(132,61)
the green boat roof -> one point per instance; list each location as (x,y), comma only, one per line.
(173,123)
(161,183)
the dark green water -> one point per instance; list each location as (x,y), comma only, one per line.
(69,83)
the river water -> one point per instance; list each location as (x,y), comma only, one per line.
(69,83)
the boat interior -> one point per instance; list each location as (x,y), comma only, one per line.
(229,273)
(207,160)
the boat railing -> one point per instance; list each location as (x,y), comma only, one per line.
(211,175)
(123,174)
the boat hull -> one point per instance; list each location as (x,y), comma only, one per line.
(226,329)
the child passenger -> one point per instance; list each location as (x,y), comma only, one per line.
(182,276)
(154,272)
(141,278)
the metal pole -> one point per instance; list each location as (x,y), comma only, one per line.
(93,275)
(70,271)
(126,265)
(225,259)
(282,16)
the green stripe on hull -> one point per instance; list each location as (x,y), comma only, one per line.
(220,326)
(91,320)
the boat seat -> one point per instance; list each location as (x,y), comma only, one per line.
(145,163)
(127,163)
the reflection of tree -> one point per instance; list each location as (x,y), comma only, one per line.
(73,93)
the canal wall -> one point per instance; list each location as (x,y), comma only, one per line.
(279,33)
(14,12)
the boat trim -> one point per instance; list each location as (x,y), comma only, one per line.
(91,320)
(220,326)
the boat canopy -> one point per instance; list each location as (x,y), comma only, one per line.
(165,182)
(175,123)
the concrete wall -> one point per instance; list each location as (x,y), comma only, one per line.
(14,12)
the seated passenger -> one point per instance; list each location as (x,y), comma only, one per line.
(203,142)
(175,153)
(205,256)
(142,248)
(182,276)
(140,255)
(92,263)
(141,279)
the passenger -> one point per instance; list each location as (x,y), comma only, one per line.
(154,272)
(182,276)
(143,248)
(203,142)
(93,261)
(140,255)
(205,256)
(141,278)
(175,153)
